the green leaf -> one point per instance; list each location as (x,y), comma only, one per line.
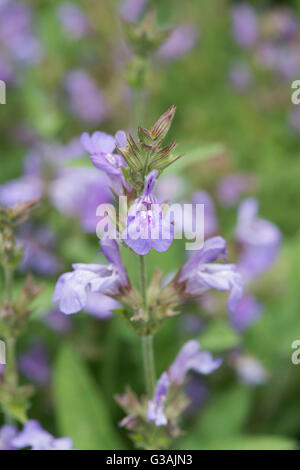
(195,155)
(247,442)
(219,336)
(81,410)
(224,416)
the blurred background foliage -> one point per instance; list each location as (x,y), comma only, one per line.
(245,132)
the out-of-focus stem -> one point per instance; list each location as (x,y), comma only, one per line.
(147,340)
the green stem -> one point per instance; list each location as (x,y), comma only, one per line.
(147,340)
(11,376)
(8,280)
(148,361)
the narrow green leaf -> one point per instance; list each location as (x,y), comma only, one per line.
(81,409)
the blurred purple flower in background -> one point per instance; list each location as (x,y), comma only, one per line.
(131,10)
(77,192)
(170,187)
(240,76)
(147,226)
(232,186)
(211,225)
(16,33)
(190,357)
(199,273)
(247,311)
(245,25)
(249,370)
(73,20)
(59,322)
(7,433)
(21,189)
(259,240)
(39,244)
(197,392)
(86,99)
(34,436)
(181,40)
(35,364)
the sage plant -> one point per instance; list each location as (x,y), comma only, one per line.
(133,166)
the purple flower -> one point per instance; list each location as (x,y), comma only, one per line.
(245,27)
(131,10)
(156,407)
(147,226)
(77,192)
(101,147)
(240,76)
(189,358)
(100,306)
(19,190)
(247,311)
(259,240)
(280,58)
(73,20)
(210,218)
(231,187)
(200,274)
(16,32)
(38,255)
(34,436)
(72,288)
(7,433)
(34,364)
(86,99)
(181,40)
(57,321)
(250,371)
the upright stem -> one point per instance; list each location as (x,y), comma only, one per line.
(8,280)
(148,361)
(11,377)
(147,340)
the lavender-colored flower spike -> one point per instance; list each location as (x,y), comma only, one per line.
(34,436)
(210,218)
(200,274)
(86,99)
(240,76)
(189,358)
(245,27)
(77,192)
(247,311)
(34,364)
(181,40)
(147,226)
(232,186)
(7,433)
(250,371)
(101,147)
(72,288)
(73,20)
(131,10)
(20,190)
(259,239)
